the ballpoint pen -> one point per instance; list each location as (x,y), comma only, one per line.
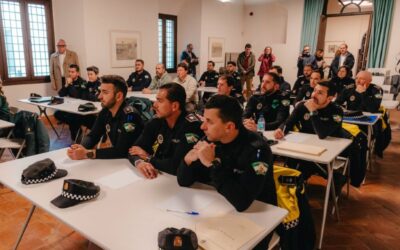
(183,212)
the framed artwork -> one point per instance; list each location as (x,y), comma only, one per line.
(125,48)
(216,49)
(331,47)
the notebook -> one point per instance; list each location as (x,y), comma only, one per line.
(40,99)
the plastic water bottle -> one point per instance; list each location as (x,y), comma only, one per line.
(261,124)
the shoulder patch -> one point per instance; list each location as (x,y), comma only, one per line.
(128,109)
(285,102)
(337,118)
(192,118)
(260,167)
(378,96)
(129,127)
(191,138)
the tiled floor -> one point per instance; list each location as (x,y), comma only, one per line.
(370,217)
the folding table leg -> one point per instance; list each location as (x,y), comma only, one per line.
(43,111)
(21,234)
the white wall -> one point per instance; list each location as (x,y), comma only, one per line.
(349,29)
(277,24)
(222,20)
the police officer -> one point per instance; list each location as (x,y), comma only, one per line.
(118,122)
(305,92)
(236,161)
(93,85)
(303,79)
(139,79)
(364,96)
(167,138)
(226,87)
(209,79)
(272,104)
(232,71)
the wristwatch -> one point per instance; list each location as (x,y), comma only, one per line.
(216,163)
(90,154)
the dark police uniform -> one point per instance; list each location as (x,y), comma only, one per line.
(138,81)
(237,86)
(369,101)
(343,83)
(284,86)
(75,89)
(210,78)
(300,82)
(244,174)
(274,107)
(323,122)
(304,93)
(92,91)
(122,131)
(167,146)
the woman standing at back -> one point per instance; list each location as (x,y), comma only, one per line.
(266,59)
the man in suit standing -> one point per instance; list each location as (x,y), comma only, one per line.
(344,59)
(59,64)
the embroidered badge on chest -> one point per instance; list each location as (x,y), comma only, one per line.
(308,94)
(160,139)
(352,98)
(259,106)
(306,116)
(275,104)
(191,138)
(129,127)
(337,118)
(108,128)
(261,168)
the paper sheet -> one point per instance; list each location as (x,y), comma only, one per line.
(296,137)
(301,148)
(119,179)
(226,232)
(188,200)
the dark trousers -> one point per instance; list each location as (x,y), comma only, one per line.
(75,121)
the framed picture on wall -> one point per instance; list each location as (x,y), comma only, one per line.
(331,47)
(125,48)
(216,49)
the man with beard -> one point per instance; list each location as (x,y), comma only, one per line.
(305,58)
(306,91)
(168,137)
(303,79)
(272,104)
(118,122)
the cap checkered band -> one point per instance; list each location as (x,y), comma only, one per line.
(78,197)
(291,224)
(34,181)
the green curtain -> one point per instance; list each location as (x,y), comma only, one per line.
(381,21)
(311,19)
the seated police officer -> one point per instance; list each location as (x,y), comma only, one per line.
(272,104)
(169,136)
(226,87)
(236,161)
(318,115)
(364,96)
(303,79)
(93,84)
(139,79)
(118,122)
(75,87)
(232,71)
(209,79)
(305,92)
(283,85)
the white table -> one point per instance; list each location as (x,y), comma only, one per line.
(140,94)
(207,89)
(369,125)
(334,146)
(126,218)
(70,105)
(390,104)
(6,124)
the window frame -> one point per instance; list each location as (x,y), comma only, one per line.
(30,78)
(164,18)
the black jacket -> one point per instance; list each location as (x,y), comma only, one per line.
(167,146)
(123,129)
(348,62)
(369,101)
(75,90)
(244,175)
(137,82)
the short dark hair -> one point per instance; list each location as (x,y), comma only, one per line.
(318,72)
(183,65)
(229,109)
(213,63)
(346,68)
(228,79)
(175,93)
(308,65)
(330,85)
(74,66)
(231,62)
(93,68)
(275,77)
(248,45)
(139,60)
(118,82)
(278,69)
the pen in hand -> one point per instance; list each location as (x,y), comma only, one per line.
(183,212)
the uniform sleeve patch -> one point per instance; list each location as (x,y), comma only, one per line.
(191,138)
(192,118)
(285,102)
(128,109)
(129,127)
(337,118)
(378,96)
(261,168)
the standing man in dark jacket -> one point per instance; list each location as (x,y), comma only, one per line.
(139,79)
(344,59)
(306,58)
(190,59)
(236,161)
(169,136)
(246,62)
(118,122)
